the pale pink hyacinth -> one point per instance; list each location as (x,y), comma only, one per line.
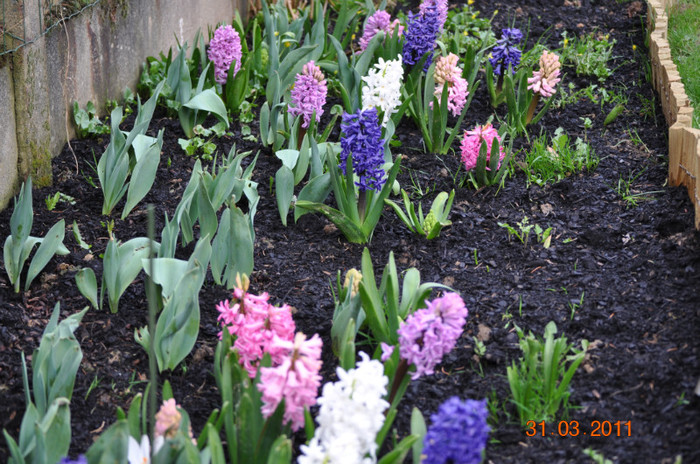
(309,94)
(255,324)
(224,48)
(428,334)
(379,21)
(447,72)
(296,379)
(168,419)
(543,81)
(440,5)
(471,145)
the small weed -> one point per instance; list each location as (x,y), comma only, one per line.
(588,54)
(597,457)
(575,306)
(94,384)
(544,236)
(553,162)
(624,189)
(682,401)
(52,200)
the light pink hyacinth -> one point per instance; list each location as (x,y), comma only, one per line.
(168,419)
(296,379)
(255,324)
(471,145)
(224,48)
(309,94)
(379,21)
(447,72)
(543,81)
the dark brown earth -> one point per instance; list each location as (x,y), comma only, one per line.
(638,268)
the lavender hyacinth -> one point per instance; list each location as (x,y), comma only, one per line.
(465,420)
(422,31)
(506,52)
(428,334)
(362,138)
(224,48)
(309,94)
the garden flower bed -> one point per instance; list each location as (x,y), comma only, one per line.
(617,272)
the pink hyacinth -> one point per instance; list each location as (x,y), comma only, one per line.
(447,72)
(168,419)
(428,334)
(296,379)
(543,81)
(309,93)
(224,48)
(255,324)
(471,145)
(379,21)
(440,5)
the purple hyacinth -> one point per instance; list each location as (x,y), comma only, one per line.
(464,420)
(428,334)
(224,48)
(422,31)
(441,6)
(309,94)
(362,138)
(80,460)
(506,52)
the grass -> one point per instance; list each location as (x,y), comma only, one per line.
(684,38)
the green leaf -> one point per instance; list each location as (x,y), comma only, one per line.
(288,157)
(87,284)
(284,191)
(353,233)
(210,102)
(281,451)
(48,247)
(419,430)
(144,172)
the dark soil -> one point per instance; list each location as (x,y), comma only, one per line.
(637,268)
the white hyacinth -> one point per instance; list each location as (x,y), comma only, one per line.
(351,415)
(382,89)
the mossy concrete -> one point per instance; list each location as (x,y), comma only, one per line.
(8,138)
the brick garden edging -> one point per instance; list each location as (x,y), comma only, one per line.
(683,140)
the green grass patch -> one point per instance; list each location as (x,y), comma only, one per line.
(684,38)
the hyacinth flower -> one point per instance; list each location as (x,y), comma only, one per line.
(364,184)
(421,33)
(471,145)
(456,418)
(379,21)
(448,73)
(308,97)
(425,337)
(224,49)
(382,89)
(542,82)
(295,380)
(504,56)
(440,6)
(256,324)
(351,415)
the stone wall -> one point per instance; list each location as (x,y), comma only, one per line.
(683,139)
(91,57)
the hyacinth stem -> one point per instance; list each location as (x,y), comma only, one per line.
(300,136)
(401,371)
(533,107)
(362,205)
(499,83)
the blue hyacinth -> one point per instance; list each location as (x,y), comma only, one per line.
(458,433)
(362,138)
(80,460)
(506,52)
(421,32)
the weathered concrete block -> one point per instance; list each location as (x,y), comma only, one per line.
(8,138)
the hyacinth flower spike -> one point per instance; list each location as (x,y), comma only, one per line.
(542,82)
(308,97)
(504,56)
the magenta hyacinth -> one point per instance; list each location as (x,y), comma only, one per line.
(379,21)
(296,379)
(224,48)
(471,145)
(255,324)
(428,334)
(309,94)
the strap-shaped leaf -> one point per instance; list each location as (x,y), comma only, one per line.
(87,284)
(349,229)
(284,191)
(48,247)
(210,102)
(144,173)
